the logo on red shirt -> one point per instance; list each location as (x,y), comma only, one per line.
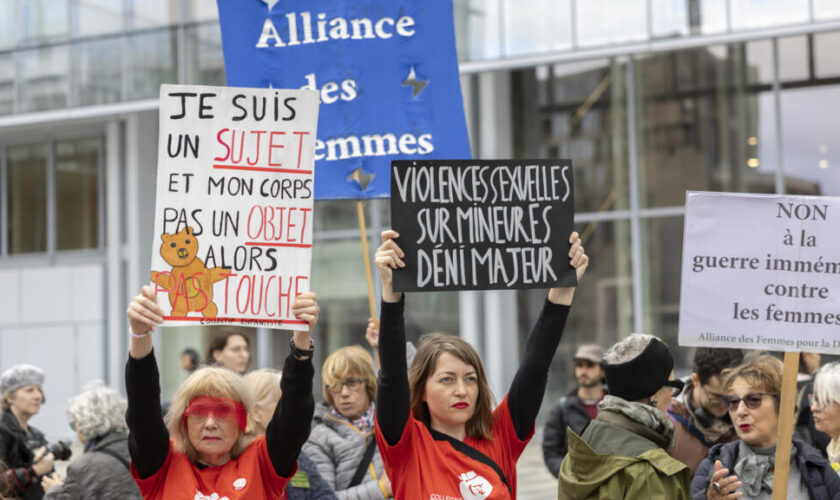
(474,487)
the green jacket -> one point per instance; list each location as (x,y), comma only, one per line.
(609,462)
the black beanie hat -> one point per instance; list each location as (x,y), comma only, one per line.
(643,375)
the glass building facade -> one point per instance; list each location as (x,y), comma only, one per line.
(649,98)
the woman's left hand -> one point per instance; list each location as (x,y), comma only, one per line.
(306,308)
(51,481)
(577,259)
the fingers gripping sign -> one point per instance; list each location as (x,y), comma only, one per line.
(578,260)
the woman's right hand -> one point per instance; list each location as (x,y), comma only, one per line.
(388,257)
(144,314)
(43,462)
(726,484)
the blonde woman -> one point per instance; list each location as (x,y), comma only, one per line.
(204,451)
(342,444)
(307,484)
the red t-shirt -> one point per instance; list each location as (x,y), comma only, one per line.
(251,476)
(421,468)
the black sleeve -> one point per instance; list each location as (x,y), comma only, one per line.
(292,420)
(555,445)
(148,439)
(392,395)
(528,386)
(18,480)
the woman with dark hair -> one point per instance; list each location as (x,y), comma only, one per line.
(230,350)
(744,468)
(457,445)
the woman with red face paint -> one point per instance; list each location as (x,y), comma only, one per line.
(205,452)
(457,445)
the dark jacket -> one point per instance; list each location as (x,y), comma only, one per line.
(570,412)
(821,480)
(16,450)
(96,474)
(307,483)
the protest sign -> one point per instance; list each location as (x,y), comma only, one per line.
(233,218)
(481,224)
(386,71)
(760,272)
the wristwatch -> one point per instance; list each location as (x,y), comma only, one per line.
(302,354)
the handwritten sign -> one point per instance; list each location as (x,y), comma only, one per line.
(761,272)
(233,219)
(479,224)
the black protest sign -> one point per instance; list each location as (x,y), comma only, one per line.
(483,224)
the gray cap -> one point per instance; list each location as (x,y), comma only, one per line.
(18,376)
(590,352)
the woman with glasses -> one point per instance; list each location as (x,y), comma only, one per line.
(744,468)
(825,406)
(622,453)
(202,451)
(342,445)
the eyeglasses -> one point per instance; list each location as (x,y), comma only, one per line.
(715,398)
(222,409)
(677,385)
(752,400)
(820,404)
(352,383)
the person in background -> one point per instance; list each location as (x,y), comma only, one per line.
(577,408)
(230,350)
(744,468)
(825,406)
(24,448)
(700,417)
(189,360)
(202,451)
(809,363)
(97,415)
(307,483)
(342,443)
(622,453)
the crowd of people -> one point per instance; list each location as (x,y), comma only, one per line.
(422,423)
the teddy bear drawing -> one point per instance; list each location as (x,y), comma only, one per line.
(190,283)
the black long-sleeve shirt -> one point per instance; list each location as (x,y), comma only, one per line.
(524,396)
(148,440)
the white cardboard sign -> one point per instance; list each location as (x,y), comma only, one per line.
(761,272)
(233,218)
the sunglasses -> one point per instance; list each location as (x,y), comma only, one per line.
(752,400)
(677,386)
(352,383)
(222,409)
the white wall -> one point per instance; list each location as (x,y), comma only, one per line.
(54,318)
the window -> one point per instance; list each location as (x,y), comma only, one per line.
(27,195)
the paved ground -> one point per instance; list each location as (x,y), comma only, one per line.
(534,482)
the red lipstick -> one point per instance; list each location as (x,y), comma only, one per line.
(461,405)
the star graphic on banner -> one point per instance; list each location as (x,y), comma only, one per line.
(412,81)
(270,3)
(361,177)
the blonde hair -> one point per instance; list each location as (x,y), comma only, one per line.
(265,385)
(348,361)
(759,369)
(209,381)
(432,345)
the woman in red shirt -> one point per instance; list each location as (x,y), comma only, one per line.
(205,453)
(457,446)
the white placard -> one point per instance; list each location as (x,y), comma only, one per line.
(233,218)
(761,272)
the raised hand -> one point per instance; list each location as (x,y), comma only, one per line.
(306,308)
(577,259)
(388,257)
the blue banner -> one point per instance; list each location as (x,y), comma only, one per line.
(386,70)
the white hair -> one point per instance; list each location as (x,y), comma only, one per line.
(627,349)
(827,383)
(97,411)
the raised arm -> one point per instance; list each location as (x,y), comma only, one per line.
(290,425)
(528,386)
(392,396)
(148,439)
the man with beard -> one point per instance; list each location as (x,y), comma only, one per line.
(577,408)
(700,416)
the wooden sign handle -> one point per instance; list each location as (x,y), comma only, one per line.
(784,436)
(365,252)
